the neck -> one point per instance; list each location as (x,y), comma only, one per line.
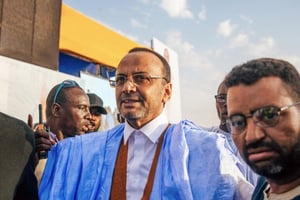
(278,188)
(59,134)
(53,128)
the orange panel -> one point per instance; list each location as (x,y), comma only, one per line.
(85,37)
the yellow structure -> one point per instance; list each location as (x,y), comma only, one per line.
(84,37)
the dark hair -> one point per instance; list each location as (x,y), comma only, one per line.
(252,71)
(165,63)
(61,98)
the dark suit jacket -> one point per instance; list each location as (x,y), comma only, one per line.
(17,180)
(258,193)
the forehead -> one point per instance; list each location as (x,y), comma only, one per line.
(222,89)
(76,95)
(140,62)
(267,91)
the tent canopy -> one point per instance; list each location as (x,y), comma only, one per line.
(91,40)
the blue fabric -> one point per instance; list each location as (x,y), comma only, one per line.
(248,173)
(228,136)
(189,166)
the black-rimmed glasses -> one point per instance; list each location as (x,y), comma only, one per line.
(221,98)
(64,84)
(263,117)
(140,79)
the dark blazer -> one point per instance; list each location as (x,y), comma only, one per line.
(17,160)
(258,193)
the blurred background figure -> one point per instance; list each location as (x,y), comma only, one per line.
(17,160)
(67,110)
(67,115)
(96,110)
(224,129)
(221,107)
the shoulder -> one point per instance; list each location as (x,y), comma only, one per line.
(17,152)
(199,134)
(195,137)
(16,138)
(8,122)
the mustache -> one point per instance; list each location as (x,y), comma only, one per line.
(131,96)
(262,144)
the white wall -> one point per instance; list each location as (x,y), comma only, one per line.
(173,107)
(23,86)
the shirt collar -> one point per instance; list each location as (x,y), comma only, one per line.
(152,130)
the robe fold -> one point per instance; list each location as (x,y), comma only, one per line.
(193,164)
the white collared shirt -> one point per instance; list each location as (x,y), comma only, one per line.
(142,144)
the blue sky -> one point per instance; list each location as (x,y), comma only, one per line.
(210,38)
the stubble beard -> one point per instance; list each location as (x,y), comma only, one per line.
(285,167)
(133,116)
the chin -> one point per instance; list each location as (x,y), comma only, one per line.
(131,115)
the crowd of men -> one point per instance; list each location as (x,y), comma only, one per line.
(253,154)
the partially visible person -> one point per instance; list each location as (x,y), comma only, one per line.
(67,115)
(221,107)
(224,129)
(263,102)
(17,160)
(96,110)
(145,157)
(67,110)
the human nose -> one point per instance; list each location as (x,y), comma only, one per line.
(92,118)
(88,114)
(129,85)
(253,132)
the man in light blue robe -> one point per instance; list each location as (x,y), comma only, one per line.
(193,164)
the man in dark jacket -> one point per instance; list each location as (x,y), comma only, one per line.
(17,160)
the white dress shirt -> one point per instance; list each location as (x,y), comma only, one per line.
(142,144)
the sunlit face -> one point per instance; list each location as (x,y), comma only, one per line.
(139,104)
(273,152)
(74,114)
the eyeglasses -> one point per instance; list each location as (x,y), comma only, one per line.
(221,98)
(263,117)
(140,79)
(64,84)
